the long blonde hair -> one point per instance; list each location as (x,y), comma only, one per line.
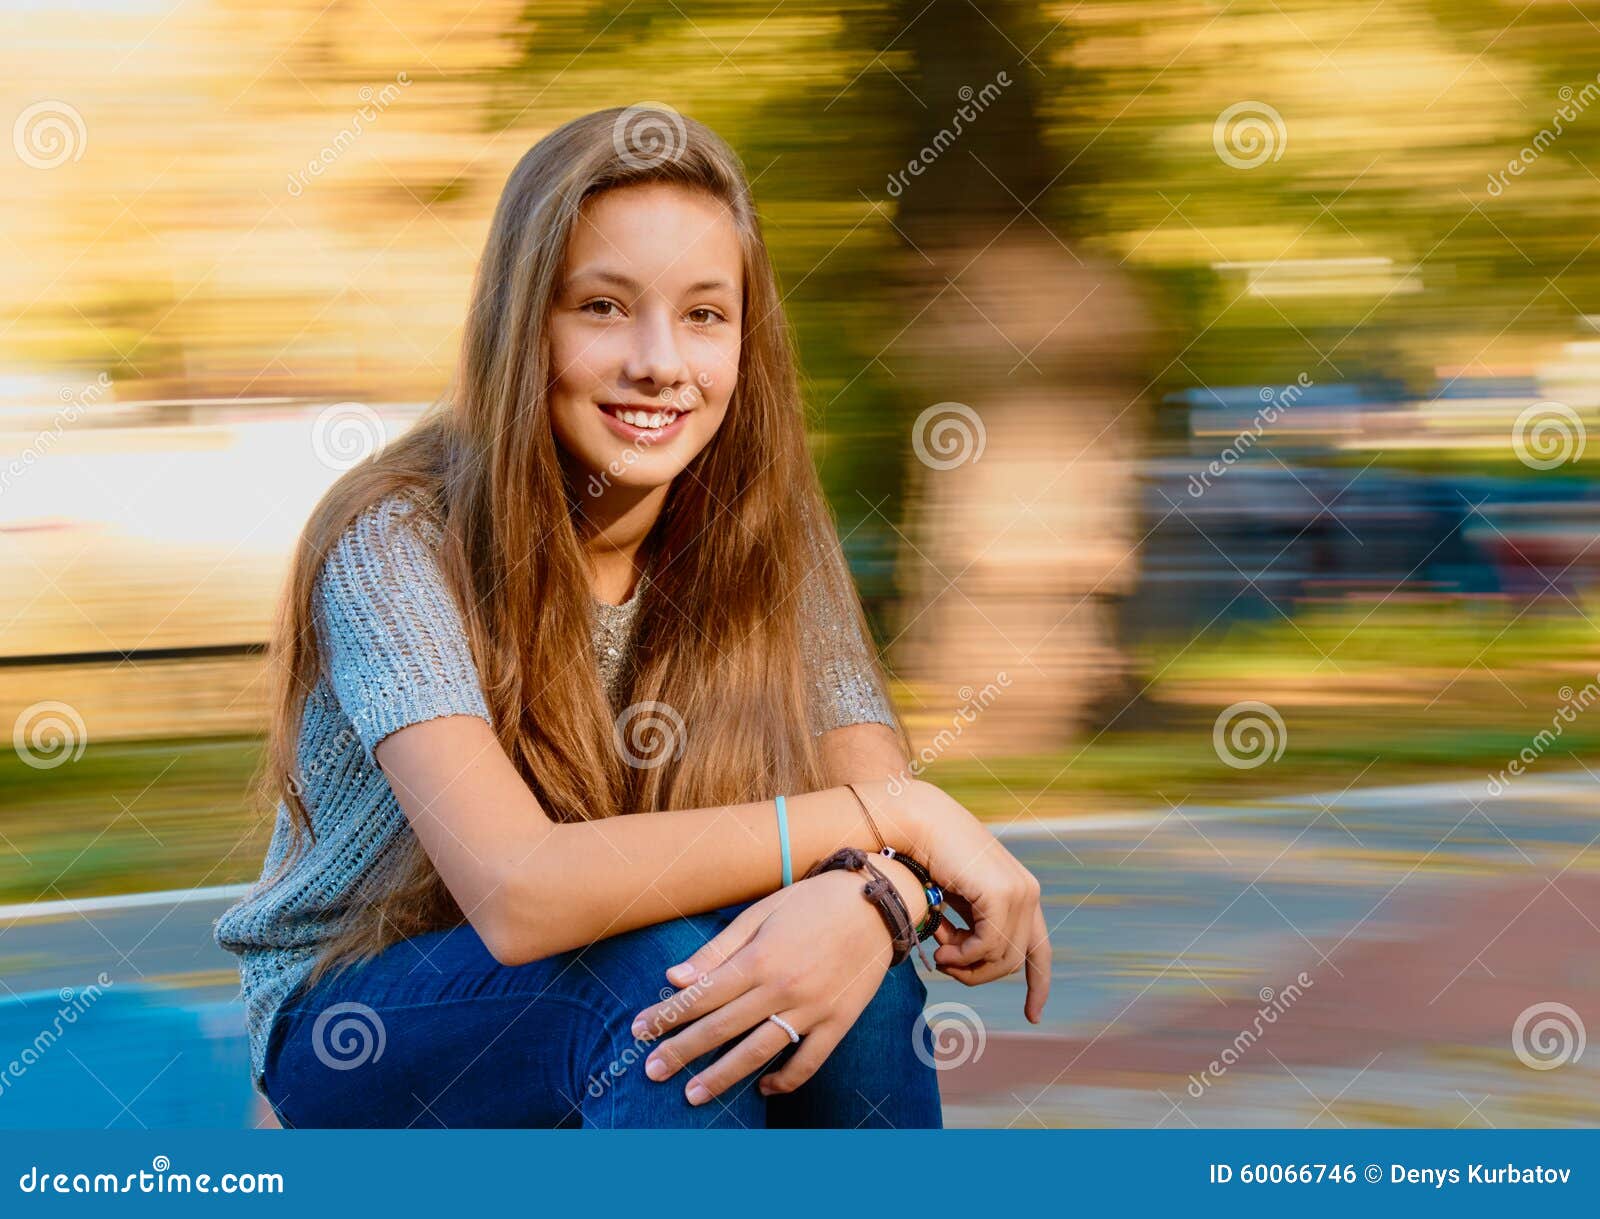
(719,636)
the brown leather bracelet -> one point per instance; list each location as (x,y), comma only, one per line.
(880,891)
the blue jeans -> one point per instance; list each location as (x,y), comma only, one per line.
(440,1034)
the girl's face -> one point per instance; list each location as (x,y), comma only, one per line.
(644,333)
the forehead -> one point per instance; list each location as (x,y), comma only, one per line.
(656,233)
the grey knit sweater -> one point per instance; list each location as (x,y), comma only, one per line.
(395,653)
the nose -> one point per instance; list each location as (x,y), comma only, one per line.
(654,354)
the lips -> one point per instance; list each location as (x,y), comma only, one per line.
(649,422)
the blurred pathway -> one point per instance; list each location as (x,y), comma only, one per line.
(1358,959)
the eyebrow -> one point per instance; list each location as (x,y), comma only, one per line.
(624,281)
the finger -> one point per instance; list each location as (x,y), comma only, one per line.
(1039,957)
(720,947)
(751,1054)
(813,1051)
(704,995)
(705,1035)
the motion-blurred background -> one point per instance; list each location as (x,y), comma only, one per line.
(1207,393)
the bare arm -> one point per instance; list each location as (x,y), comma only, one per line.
(861,753)
(533,887)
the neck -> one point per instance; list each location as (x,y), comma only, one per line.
(612,528)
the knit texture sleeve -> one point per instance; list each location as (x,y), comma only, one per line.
(839,655)
(395,646)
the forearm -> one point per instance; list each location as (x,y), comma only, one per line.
(588,880)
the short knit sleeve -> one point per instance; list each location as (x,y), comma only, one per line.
(839,657)
(394,644)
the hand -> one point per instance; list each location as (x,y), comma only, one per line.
(996,896)
(814,954)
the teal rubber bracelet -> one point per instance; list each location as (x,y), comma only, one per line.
(783,842)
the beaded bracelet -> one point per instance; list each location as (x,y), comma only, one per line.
(880,891)
(935,895)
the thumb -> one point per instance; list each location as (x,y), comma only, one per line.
(719,947)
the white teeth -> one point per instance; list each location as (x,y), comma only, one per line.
(648,419)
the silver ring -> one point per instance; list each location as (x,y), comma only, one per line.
(783,1024)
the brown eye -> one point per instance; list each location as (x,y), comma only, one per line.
(712,314)
(605,303)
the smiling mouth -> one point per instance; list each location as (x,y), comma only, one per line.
(647,419)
